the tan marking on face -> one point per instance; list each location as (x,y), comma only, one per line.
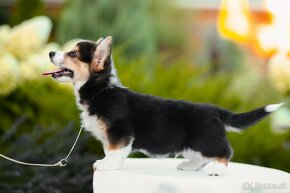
(81,69)
(76,48)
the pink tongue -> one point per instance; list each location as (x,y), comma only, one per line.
(52,72)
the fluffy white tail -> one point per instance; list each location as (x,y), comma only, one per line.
(274,107)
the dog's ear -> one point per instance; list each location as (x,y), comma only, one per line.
(102,53)
(99,40)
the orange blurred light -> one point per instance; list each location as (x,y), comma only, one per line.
(275,37)
(234,20)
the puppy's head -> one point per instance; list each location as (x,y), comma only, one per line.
(85,60)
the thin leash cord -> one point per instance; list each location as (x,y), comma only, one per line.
(60,163)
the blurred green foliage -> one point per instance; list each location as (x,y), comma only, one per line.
(26,9)
(221,54)
(39,121)
(4,15)
(141,26)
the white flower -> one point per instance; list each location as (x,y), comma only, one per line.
(4,33)
(29,36)
(50,47)
(9,74)
(44,53)
(33,66)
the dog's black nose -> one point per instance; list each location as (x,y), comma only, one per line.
(51,54)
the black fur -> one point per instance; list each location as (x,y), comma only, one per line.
(243,120)
(86,51)
(159,126)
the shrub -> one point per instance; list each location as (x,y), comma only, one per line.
(141,26)
(21,12)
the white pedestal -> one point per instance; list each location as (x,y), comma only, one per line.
(161,176)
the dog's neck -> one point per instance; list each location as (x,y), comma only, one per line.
(86,91)
(77,86)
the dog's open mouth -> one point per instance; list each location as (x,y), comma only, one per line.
(59,73)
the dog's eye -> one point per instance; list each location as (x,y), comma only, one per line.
(73,54)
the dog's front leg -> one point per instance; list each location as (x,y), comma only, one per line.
(113,159)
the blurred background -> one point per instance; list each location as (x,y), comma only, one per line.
(231,53)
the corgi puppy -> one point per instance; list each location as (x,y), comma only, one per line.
(124,120)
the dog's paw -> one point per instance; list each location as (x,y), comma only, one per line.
(184,165)
(104,164)
(190,165)
(218,169)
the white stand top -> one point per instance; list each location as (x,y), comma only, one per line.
(161,176)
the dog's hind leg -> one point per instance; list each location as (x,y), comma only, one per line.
(219,167)
(220,157)
(195,161)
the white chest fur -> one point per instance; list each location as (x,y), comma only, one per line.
(95,125)
(91,123)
